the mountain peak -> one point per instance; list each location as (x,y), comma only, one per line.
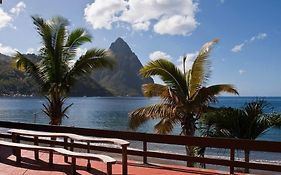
(119,45)
(125,79)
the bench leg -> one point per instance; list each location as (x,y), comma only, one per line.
(89,163)
(65,147)
(73,165)
(18,155)
(51,155)
(36,152)
(15,139)
(109,168)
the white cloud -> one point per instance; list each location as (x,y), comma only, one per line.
(18,8)
(238,48)
(190,58)
(158,54)
(241,71)
(175,17)
(5,19)
(7,50)
(178,25)
(260,36)
(102,13)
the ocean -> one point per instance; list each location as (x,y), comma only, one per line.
(112,113)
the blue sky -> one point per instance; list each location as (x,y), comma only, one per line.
(248,54)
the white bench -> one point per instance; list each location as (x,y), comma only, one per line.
(124,144)
(18,146)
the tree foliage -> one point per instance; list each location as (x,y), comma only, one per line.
(184,96)
(58,69)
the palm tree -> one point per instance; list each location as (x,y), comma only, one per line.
(58,68)
(184,96)
(249,122)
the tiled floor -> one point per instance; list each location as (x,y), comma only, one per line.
(29,166)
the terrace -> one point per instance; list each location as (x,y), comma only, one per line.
(147,165)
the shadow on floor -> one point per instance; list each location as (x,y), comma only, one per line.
(41,165)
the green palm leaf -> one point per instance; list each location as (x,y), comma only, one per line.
(205,95)
(77,38)
(200,70)
(92,59)
(157,111)
(54,72)
(45,32)
(24,64)
(168,72)
(166,125)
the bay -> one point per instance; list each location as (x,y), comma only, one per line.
(112,113)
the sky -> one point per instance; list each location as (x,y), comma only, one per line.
(248,54)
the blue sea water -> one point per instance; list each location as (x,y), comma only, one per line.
(112,113)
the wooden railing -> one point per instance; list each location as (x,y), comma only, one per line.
(231,144)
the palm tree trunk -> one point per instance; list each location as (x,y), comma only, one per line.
(55,107)
(189,152)
(247,159)
(189,130)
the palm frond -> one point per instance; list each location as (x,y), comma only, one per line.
(200,70)
(168,72)
(166,125)
(205,95)
(164,92)
(276,119)
(45,32)
(93,59)
(77,38)
(58,61)
(24,64)
(156,111)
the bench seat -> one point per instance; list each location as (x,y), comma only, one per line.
(77,137)
(106,159)
(123,143)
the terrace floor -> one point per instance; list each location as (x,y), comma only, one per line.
(29,166)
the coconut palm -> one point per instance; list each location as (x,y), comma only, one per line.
(58,68)
(249,122)
(184,96)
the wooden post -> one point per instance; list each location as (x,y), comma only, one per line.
(51,154)
(247,160)
(109,169)
(73,165)
(65,147)
(88,151)
(232,155)
(14,139)
(144,152)
(124,160)
(71,144)
(51,157)
(36,152)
